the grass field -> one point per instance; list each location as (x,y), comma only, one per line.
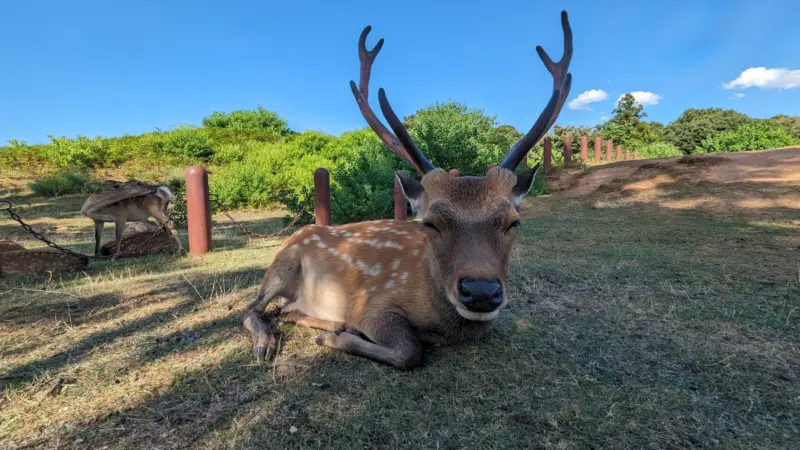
(656,313)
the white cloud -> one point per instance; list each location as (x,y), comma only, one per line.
(764,78)
(737,95)
(583,100)
(603,118)
(644,97)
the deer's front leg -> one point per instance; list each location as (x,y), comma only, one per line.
(119,225)
(393,341)
(98,235)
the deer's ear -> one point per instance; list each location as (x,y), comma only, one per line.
(412,190)
(524,185)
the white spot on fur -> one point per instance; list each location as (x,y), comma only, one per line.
(391,244)
(395,264)
(306,241)
(389,284)
(403,276)
(415,252)
(367,270)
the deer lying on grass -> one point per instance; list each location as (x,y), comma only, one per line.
(383,289)
(130,201)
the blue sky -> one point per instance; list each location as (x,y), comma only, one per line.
(109,68)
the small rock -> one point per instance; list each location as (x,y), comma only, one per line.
(292,429)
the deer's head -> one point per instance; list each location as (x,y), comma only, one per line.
(470,223)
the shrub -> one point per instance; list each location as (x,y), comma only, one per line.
(263,174)
(80,153)
(229,153)
(246,120)
(754,135)
(790,123)
(20,155)
(693,126)
(187,141)
(454,136)
(65,183)
(659,150)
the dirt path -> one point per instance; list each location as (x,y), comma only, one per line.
(767,166)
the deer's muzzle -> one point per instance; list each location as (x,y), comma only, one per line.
(480,296)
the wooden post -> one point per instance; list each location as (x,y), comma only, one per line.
(322,190)
(454,172)
(627,155)
(597,146)
(567,150)
(548,154)
(198,210)
(584,148)
(609,145)
(619,153)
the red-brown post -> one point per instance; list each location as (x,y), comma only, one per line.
(198,210)
(400,207)
(597,146)
(548,154)
(635,155)
(567,150)
(619,153)
(322,191)
(609,145)
(454,172)
(584,148)
(627,155)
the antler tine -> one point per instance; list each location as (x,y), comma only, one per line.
(562,82)
(402,146)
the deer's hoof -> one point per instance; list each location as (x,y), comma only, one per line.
(260,352)
(327,338)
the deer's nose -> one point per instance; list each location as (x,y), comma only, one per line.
(480,295)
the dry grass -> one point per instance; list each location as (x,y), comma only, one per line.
(632,325)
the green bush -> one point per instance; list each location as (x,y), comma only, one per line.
(790,123)
(187,141)
(80,153)
(263,174)
(659,150)
(19,154)
(361,167)
(753,135)
(246,120)
(694,125)
(65,183)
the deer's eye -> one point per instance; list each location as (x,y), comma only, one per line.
(430,226)
(514,224)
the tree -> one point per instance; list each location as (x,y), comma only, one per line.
(626,127)
(756,134)
(789,123)
(694,125)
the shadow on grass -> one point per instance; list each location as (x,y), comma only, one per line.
(107,308)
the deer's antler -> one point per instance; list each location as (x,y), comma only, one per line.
(401,143)
(562,80)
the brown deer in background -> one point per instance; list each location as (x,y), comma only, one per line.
(384,289)
(131,201)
